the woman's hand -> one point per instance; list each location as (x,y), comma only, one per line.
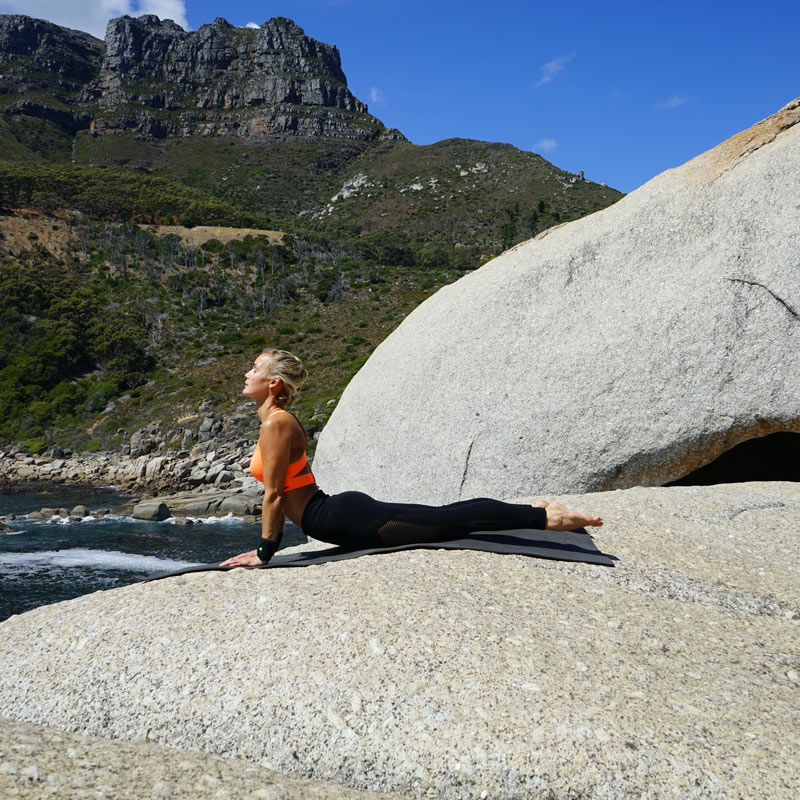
(248,559)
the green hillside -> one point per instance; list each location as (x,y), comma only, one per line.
(114,194)
(112,322)
(110,326)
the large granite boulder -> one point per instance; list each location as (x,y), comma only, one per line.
(462,674)
(628,347)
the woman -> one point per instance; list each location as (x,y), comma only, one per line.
(352,518)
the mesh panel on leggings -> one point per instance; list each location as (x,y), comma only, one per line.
(396,532)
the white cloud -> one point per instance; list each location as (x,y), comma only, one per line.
(673,102)
(552,68)
(376,96)
(545,145)
(252,25)
(92,17)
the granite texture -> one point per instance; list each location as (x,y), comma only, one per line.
(462,674)
(626,348)
(40,763)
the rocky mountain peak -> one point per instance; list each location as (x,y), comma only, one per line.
(154,79)
(219,66)
(36,55)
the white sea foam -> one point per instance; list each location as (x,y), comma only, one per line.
(58,520)
(227,519)
(84,557)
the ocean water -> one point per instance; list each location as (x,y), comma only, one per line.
(45,562)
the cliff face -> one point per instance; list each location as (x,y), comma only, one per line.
(219,66)
(36,55)
(155,79)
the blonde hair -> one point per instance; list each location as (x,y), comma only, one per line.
(289,368)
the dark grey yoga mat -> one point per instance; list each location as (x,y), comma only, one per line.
(561,545)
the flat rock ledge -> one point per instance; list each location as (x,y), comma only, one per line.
(462,674)
(37,763)
(201,503)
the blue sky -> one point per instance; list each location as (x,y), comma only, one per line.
(621,90)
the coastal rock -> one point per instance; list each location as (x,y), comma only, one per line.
(197,475)
(629,347)
(224,478)
(152,509)
(462,674)
(79,511)
(214,470)
(154,467)
(240,505)
(211,502)
(142,443)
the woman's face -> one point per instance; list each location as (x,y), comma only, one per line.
(256,382)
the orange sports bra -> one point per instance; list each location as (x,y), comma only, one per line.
(294,478)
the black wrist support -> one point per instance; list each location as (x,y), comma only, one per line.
(266,549)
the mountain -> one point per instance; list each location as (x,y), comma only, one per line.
(153,79)
(264,118)
(220,80)
(43,70)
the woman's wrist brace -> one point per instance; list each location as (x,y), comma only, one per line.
(266,549)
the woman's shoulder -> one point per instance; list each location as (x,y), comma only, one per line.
(276,421)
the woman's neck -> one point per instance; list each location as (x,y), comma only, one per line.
(266,407)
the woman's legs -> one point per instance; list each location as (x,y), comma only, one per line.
(353,518)
(408,523)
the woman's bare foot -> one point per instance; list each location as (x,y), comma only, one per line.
(561,518)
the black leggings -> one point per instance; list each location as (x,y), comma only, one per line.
(354,519)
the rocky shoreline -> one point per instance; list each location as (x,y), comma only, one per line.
(211,479)
(210,463)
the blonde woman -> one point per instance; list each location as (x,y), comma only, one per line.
(354,519)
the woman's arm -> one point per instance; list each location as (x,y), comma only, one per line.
(275,443)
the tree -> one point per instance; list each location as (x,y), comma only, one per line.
(508,232)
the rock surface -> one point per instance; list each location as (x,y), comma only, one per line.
(153,510)
(674,674)
(37,763)
(628,347)
(211,502)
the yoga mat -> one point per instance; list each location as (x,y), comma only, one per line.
(560,545)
